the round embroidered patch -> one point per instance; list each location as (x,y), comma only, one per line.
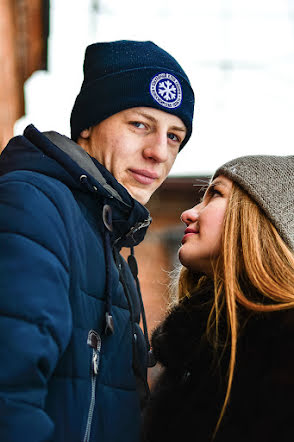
(166,90)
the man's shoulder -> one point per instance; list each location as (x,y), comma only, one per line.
(29,189)
(35,179)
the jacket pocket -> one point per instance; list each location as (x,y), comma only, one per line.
(94,341)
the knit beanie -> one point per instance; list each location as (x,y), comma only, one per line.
(124,74)
(269,180)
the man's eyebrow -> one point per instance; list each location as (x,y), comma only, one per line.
(146,115)
(154,120)
(181,129)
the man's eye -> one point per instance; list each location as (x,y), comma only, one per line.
(173,137)
(138,124)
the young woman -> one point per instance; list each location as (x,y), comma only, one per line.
(227,344)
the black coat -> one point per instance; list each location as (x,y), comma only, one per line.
(187,398)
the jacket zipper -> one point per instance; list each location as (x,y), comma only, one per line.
(94,341)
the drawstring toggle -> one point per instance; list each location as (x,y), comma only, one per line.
(109,327)
(107,217)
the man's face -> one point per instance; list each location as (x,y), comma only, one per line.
(138,146)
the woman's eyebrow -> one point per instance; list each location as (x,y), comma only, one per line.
(217,182)
(212,185)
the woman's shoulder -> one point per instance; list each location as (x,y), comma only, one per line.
(179,336)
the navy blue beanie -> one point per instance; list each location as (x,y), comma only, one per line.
(124,74)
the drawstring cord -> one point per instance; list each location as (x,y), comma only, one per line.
(142,384)
(109,324)
(107,220)
(134,269)
(108,228)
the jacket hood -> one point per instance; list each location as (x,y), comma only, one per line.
(57,156)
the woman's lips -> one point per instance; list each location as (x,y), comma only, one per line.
(188,232)
(143,176)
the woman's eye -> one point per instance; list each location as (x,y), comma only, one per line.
(212,191)
(216,192)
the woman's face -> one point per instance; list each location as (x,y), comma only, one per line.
(202,240)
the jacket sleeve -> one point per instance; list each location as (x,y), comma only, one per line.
(35,315)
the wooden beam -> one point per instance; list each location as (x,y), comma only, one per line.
(24,28)
(9,78)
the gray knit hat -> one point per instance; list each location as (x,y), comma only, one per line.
(269,180)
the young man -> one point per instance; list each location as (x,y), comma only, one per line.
(73,357)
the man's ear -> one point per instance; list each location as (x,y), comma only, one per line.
(85,133)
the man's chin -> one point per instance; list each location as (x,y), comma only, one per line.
(141,195)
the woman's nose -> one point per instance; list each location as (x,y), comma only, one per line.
(189,216)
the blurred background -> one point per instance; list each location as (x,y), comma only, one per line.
(239,55)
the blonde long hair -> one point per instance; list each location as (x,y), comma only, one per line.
(253,256)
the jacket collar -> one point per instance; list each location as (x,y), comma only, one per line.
(58,156)
(107,181)
(82,158)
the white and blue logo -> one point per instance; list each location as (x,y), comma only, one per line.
(166,90)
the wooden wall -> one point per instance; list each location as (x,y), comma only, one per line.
(24,27)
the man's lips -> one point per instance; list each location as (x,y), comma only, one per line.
(144,176)
(189,232)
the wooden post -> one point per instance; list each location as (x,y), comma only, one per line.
(23,50)
(9,79)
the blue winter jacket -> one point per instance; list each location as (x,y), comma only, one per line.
(72,355)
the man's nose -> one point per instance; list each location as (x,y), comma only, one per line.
(156,147)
